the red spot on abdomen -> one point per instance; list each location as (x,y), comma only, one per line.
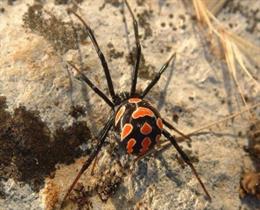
(130,144)
(142,112)
(119,114)
(157,139)
(127,129)
(145,145)
(159,123)
(146,129)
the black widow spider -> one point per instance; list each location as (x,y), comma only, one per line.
(136,121)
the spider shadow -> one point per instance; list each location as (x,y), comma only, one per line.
(136,186)
(228,83)
(86,98)
(210,58)
(226,77)
(84,90)
(145,176)
(169,173)
(250,202)
(163,92)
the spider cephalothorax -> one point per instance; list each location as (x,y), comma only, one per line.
(138,124)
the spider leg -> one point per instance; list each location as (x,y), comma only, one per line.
(158,75)
(100,55)
(138,50)
(92,86)
(170,126)
(101,137)
(186,159)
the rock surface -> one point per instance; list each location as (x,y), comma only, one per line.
(36,41)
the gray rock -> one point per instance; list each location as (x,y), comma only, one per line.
(33,74)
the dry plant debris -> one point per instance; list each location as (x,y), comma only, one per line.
(250,185)
(250,181)
(236,49)
(81,197)
(254,140)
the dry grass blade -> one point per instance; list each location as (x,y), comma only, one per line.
(166,144)
(229,117)
(206,126)
(231,62)
(215,5)
(235,48)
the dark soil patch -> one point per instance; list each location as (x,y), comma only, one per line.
(113,53)
(140,2)
(250,180)
(143,20)
(146,71)
(60,34)
(29,151)
(253,147)
(77,111)
(114,3)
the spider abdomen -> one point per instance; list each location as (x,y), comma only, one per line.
(139,126)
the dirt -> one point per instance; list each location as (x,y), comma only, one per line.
(29,151)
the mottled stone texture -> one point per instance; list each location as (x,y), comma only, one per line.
(36,40)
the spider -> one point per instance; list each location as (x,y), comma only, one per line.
(137,122)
